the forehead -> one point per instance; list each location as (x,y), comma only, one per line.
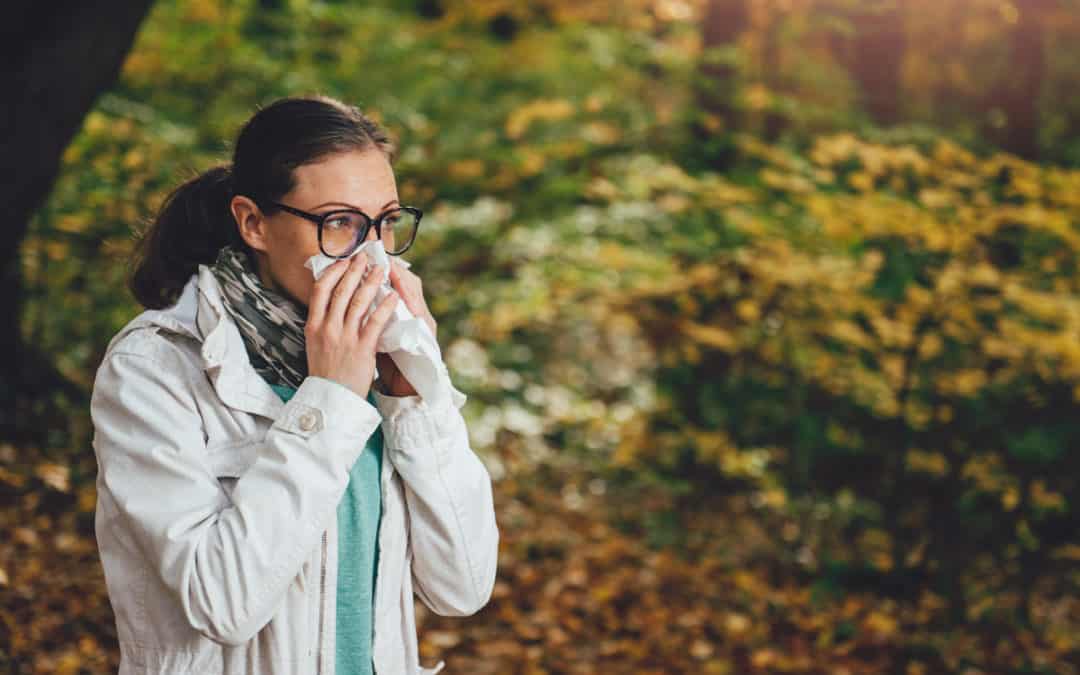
(361,179)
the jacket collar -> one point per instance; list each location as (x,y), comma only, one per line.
(200,313)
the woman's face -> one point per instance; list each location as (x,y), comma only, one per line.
(283,242)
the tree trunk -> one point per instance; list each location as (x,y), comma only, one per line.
(723,23)
(60,56)
(1017,95)
(874,56)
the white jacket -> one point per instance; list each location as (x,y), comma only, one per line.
(217,504)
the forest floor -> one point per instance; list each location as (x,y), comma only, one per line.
(583,587)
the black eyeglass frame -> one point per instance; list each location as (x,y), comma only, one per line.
(320,219)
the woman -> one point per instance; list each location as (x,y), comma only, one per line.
(262,507)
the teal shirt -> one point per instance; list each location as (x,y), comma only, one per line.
(358,527)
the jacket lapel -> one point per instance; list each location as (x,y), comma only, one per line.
(225,357)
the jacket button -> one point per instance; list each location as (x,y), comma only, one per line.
(307,421)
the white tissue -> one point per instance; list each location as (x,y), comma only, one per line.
(407,339)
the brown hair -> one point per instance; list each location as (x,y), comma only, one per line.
(195,220)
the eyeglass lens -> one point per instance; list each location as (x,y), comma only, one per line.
(343,232)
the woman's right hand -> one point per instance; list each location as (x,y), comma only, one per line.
(338,348)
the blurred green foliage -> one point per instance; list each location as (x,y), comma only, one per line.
(874,325)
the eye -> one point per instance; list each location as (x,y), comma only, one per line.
(338,222)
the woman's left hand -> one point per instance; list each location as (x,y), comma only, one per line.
(409,287)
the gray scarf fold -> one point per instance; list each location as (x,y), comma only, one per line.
(271,324)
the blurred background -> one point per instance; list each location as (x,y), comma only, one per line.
(768,311)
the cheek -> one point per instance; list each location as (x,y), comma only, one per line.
(290,270)
(294,280)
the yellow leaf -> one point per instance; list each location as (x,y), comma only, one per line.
(736,624)
(466,168)
(1068,552)
(69,662)
(545,109)
(532,162)
(56,250)
(71,223)
(763,658)
(881,624)
(54,475)
(1046,499)
(757,96)
(861,181)
(601,133)
(711,336)
(1010,498)
(133,159)
(882,561)
(11,478)
(933,463)
(747,310)
(87,501)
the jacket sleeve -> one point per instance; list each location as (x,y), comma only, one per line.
(229,564)
(452,527)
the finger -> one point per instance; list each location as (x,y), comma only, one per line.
(320,292)
(401,268)
(405,290)
(361,300)
(395,280)
(374,327)
(346,287)
(414,305)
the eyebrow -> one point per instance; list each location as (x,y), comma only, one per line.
(351,206)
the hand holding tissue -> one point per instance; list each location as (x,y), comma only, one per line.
(407,339)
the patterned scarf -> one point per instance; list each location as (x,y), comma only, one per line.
(271,324)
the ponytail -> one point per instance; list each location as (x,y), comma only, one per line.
(194,223)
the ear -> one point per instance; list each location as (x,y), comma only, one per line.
(250,221)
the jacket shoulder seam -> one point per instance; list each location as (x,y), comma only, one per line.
(157,347)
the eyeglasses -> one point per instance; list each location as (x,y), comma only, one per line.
(342,231)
